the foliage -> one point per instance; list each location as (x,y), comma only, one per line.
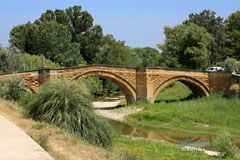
(113,52)
(186,46)
(13,87)
(63,36)
(55,43)
(12,60)
(94,84)
(26,98)
(67,105)
(226,147)
(215,26)
(149,57)
(231,64)
(233,33)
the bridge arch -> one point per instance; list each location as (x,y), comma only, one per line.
(128,90)
(197,87)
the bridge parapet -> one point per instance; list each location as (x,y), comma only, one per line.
(138,84)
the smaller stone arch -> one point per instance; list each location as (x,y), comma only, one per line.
(197,87)
(128,90)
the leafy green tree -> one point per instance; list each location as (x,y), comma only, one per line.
(95,85)
(113,52)
(231,64)
(55,42)
(233,33)
(80,25)
(150,57)
(11,60)
(24,37)
(64,36)
(3,58)
(186,46)
(215,26)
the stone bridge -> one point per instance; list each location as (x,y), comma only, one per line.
(137,84)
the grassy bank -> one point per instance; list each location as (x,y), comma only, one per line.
(202,114)
(144,149)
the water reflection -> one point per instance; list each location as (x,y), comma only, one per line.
(165,134)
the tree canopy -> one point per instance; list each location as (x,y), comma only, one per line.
(215,26)
(63,36)
(233,33)
(186,46)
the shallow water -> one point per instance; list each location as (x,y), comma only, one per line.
(166,134)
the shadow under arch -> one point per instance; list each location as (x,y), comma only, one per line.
(197,87)
(128,90)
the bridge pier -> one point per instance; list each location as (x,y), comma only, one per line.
(143,87)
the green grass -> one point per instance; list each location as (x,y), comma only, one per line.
(203,114)
(42,140)
(214,111)
(173,92)
(145,149)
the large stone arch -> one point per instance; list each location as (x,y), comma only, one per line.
(197,87)
(128,90)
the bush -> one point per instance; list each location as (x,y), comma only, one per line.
(67,105)
(13,87)
(226,147)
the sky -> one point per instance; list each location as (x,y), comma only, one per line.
(137,22)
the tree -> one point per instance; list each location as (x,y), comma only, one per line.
(150,57)
(3,59)
(231,64)
(233,33)
(55,43)
(12,60)
(24,37)
(113,52)
(215,26)
(186,46)
(64,36)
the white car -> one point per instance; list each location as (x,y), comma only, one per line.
(215,69)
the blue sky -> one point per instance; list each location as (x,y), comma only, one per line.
(137,22)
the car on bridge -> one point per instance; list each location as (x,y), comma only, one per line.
(215,69)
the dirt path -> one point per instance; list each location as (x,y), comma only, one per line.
(118,114)
(105,108)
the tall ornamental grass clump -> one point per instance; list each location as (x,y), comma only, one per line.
(68,105)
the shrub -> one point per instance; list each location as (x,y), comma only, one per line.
(13,87)
(226,147)
(67,105)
